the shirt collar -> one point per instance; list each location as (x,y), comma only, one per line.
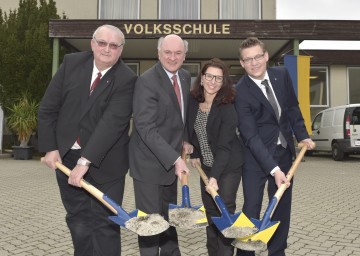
(258,82)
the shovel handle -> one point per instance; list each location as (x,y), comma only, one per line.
(87,186)
(206,180)
(291,172)
(184,176)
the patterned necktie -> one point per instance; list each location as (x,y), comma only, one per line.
(95,83)
(177,89)
(272,101)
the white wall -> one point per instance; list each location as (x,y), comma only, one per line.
(338,85)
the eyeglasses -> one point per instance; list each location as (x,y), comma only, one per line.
(210,77)
(104,44)
(256,58)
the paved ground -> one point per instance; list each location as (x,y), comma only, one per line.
(325,216)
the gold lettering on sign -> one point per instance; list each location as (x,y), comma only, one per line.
(128,28)
(186,29)
(226,29)
(167,29)
(196,29)
(157,29)
(177,29)
(138,29)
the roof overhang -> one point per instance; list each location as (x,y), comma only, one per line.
(217,38)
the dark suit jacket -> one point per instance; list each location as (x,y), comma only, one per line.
(258,124)
(156,140)
(101,121)
(224,143)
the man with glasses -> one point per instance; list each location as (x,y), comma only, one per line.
(268,116)
(84,120)
(160,108)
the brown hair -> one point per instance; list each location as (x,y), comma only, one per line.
(251,42)
(225,95)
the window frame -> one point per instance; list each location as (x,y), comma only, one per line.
(326,69)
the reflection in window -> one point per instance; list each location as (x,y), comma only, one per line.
(318,86)
(239,9)
(354,84)
(115,9)
(317,122)
(355,119)
(193,68)
(175,9)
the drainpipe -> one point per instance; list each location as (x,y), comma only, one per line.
(56,50)
(296,46)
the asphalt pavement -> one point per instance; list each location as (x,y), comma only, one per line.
(325,213)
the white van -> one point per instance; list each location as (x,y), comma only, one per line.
(337,130)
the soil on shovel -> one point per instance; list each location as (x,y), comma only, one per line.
(149,225)
(249,245)
(186,218)
(238,232)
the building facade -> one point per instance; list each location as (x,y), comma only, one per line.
(215,28)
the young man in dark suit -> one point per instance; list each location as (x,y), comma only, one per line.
(84,120)
(268,116)
(160,105)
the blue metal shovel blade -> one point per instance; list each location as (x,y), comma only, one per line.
(122,215)
(185,199)
(225,221)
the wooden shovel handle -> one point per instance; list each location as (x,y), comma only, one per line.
(206,180)
(87,186)
(184,176)
(292,170)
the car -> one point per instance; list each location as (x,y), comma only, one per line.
(337,130)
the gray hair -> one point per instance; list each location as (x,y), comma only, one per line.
(161,39)
(113,28)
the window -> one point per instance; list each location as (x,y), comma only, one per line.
(193,68)
(355,120)
(319,87)
(354,84)
(134,66)
(239,9)
(115,9)
(179,10)
(317,122)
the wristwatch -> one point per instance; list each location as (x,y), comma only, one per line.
(83,162)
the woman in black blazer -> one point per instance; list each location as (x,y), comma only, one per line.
(212,122)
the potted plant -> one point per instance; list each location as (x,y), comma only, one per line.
(22,120)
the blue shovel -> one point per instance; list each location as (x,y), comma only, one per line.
(267,228)
(137,221)
(185,215)
(231,226)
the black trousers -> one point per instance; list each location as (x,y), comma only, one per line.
(228,183)
(254,181)
(154,198)
(93,234)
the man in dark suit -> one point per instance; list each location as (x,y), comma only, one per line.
(268,116)
(157,139)
(84,121)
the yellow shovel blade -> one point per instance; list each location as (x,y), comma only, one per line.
(202,221)
(264,235)
(243,221)
(141,213)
